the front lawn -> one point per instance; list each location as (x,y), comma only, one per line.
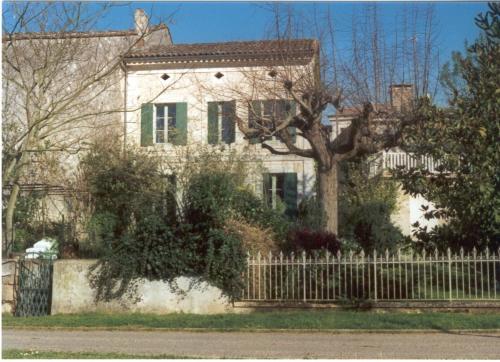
(272,320)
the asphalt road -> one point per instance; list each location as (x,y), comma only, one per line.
(262,344)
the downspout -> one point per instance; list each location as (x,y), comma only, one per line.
(124,68)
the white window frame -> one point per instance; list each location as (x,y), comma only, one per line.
(166,121)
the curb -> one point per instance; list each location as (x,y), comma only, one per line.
(257,330)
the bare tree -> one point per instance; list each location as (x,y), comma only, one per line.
(358,77)
(62,83)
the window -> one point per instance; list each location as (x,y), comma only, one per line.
(269,113)
(281,187)
(221,122)
(274,191)
(165,122)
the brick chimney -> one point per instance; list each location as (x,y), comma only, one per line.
(401,96)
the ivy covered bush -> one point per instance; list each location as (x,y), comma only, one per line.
(147,223)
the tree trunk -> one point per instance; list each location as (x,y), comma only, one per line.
(328,196)
(9,219)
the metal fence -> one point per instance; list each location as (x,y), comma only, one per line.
(373,277)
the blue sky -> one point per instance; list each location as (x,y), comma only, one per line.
(196,22)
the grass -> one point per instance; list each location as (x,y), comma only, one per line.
(286,320)
(24,354)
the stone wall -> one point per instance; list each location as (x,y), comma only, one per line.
(9,279)
(71,293)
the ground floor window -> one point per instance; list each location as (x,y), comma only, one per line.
(281,187)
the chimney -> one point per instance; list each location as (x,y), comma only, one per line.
(141,21)
(401,96)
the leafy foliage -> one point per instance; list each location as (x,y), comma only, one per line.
(139,235)
(366,204)
(310,215)
(463,139)
(313,240)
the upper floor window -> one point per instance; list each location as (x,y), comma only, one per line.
(221,122)
(269,114)
(163,123)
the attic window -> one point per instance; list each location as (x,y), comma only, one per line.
(219,75)
(165,76)
(272,73)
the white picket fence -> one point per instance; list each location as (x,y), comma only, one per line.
(374,277)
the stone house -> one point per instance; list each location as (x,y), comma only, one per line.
(179,97)
(199,89)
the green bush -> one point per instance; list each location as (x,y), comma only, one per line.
(310,215)
(139,238)
(365,207)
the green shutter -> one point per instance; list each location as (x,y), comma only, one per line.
(293,130)
(181,120)
(213,124)
(254,112)
(147,124)
(228,122)
(290,194)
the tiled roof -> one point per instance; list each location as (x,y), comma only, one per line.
(303,49)
(355,111)
(83,34)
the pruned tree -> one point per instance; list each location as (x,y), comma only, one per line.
(358,78)
(61,85)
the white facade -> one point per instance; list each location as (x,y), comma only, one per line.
(197,86)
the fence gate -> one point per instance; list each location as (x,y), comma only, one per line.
(34,288)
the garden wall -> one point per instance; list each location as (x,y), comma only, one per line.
(9,278)
(71,293)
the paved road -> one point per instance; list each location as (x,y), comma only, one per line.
(262,345)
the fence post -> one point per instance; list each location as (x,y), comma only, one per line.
(375,272)
(304,273)
(449,273)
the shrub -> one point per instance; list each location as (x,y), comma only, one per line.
(140,238)
(310,214)
(254,237)
(370,226)
(252,209)
(311,240)
(365,206)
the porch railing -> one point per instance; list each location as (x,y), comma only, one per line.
(392,160)
(374,277)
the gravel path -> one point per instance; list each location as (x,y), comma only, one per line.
(261,345)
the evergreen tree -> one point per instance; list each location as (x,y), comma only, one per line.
(463,138)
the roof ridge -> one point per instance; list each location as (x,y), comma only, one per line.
(75,34)
(247,41)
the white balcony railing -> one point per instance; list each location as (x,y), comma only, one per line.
(393,160)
